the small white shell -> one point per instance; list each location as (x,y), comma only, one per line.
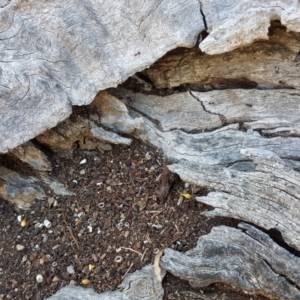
(155,251)
(39,278)
(101,205)
(118,259)
(19,218)
(83,161)
(47,223)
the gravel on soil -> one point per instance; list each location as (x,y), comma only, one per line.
(113,224)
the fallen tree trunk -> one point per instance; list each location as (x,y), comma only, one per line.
(246,259)
(240,145)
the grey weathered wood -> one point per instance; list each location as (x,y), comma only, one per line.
(178,111)
(19,190)
(233,23)
(259,185)
(194,111)
(140,285)
(247,259)
(263,64)
(255,109)
(57,54)
(31,155)
(268,196)
(113,114)
(86,132)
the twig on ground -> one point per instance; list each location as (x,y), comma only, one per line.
(144,254)
(132,250)
(72,235)
(127,270)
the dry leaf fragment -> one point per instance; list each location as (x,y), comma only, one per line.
(186,196)
(24,222)
(91,267)
(85,281)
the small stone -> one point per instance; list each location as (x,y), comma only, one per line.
(45,237)
(39,278)
(83,161)
(186,185)
(82,172)
(50,201)
(55,279)
(70,270)
(20,247)
(24,259)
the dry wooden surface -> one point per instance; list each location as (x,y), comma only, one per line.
(246,258)
(241,145)
(56,54)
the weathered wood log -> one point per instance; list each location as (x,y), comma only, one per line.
(267,197)
(57,54)
(140,285)
(259,185)
(233,23)
(19,190)
(247,259)
(263,64)
(197,112)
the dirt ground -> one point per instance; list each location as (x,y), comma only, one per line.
(113,224)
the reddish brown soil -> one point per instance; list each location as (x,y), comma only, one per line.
(117,197)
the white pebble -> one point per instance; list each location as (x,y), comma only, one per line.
(70,270)
(82,172)
(83,161)
(39,278)
(186,185)
(20,247)
(19,218)
(45,237)
(47,223)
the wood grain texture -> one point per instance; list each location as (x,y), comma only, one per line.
(55,54)
(233,23)
(265,64)
(140,285)
(250,177)
(247,259)
(267,197)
